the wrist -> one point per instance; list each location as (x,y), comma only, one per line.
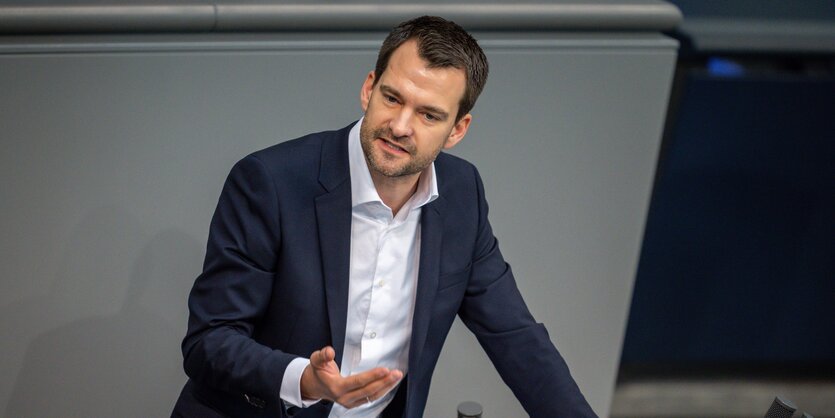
(307,385)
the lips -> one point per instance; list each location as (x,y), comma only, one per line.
(392,146)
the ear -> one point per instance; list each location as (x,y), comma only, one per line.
(365,92)
(458,131)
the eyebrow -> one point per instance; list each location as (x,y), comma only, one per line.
(438,112)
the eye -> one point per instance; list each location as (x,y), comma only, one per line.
(389,98)
(430,117)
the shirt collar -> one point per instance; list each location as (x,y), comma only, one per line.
(362,187)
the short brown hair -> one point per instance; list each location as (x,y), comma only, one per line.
(442,43)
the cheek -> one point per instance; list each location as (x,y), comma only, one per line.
(432,143)
(374,112)
(439,136)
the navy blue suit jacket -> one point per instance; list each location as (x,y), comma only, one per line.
(274,287)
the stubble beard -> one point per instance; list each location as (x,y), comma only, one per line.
(415,164)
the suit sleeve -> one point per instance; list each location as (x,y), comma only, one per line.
(518,346)
(233,291)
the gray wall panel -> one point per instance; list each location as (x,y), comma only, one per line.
(113,156)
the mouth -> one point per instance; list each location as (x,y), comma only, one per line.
(391,146)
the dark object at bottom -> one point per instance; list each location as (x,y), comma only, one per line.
(469,410)
(780,408)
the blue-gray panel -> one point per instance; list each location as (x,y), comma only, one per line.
(738,260)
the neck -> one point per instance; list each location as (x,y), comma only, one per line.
(395,191)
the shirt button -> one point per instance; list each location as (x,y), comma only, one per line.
(373,335)
(380,283)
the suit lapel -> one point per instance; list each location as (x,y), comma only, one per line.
(333,215)
(431,232)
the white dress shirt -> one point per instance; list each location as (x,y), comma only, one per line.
(383,282)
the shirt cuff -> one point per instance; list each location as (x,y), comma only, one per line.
(291,391)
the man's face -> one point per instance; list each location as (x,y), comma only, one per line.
(410,114)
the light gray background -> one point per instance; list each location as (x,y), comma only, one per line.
(114,151)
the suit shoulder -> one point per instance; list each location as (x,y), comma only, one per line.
(456,170)
(299,155)
(303,147)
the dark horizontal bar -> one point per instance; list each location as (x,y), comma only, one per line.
(235,16)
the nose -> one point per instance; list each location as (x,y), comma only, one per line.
(401,125)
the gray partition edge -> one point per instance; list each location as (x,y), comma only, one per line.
(343,41)
(760,35)
(228,16)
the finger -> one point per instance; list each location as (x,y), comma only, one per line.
(385,388)
(373,391)
(322,357)
(352,390)
(379,388)
(360,380)
(328,353)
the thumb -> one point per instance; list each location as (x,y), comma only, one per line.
(328,354)
(322,357)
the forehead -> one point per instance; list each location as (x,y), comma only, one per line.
(410,75)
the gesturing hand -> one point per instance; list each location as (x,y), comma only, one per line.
(321,380)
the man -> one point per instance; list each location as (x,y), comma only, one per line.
(357,248)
